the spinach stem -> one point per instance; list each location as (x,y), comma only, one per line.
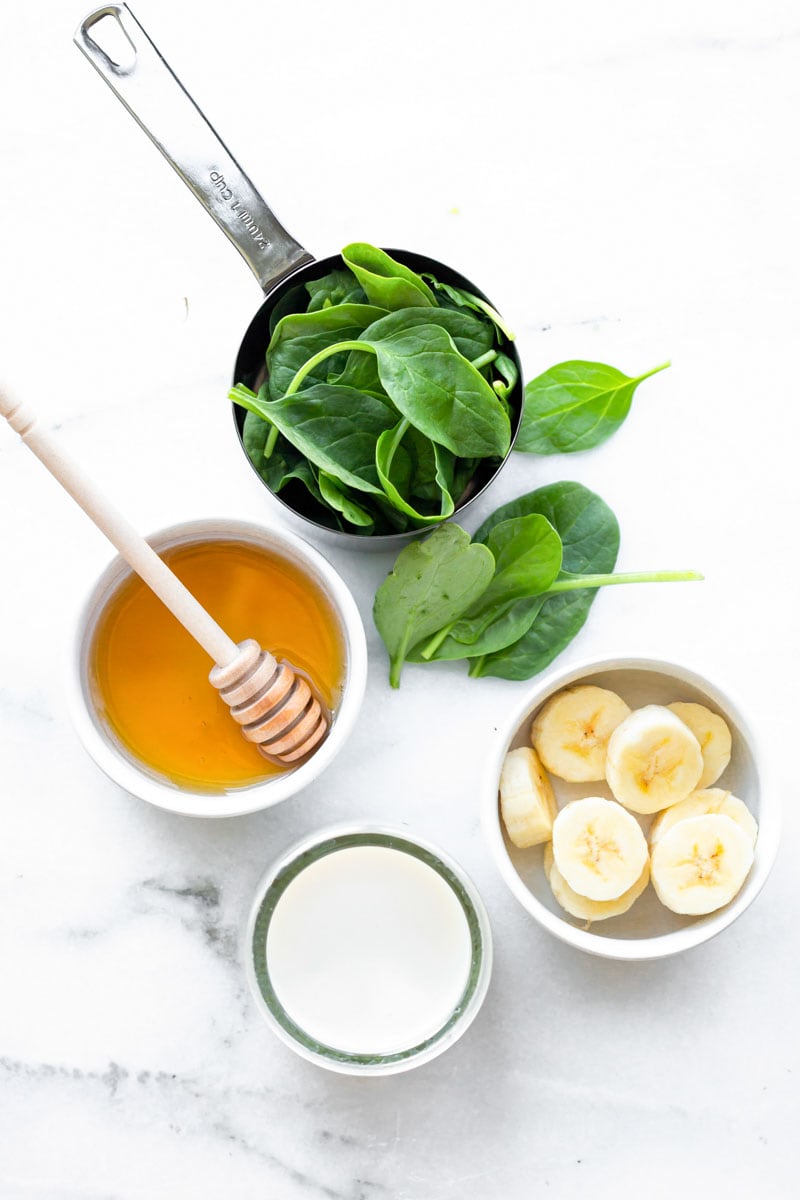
(269,444)
(433,645)
(595,581)
(482,361)
(321,355)
(661,367)
(476,666)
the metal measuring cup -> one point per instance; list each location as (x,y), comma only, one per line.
(156,99)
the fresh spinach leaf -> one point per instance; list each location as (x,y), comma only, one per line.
(440,392)
(575,406)
(386,282)
(401,456)
(433,386)
(319,422)
(360,371)
(471,336)
(590,537)
(255,432)
(431,584)
(394,349)
(527,552)
(463,299)
(284,464)
(339,286)
(506,370)
(294,299)
(299,336)
(335,495)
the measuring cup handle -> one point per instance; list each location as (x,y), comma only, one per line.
(156,98)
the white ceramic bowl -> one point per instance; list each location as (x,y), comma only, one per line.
(272,886)
(133,776)
(647,930)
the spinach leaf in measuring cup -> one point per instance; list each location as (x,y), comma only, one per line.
(440,392)
(386,282)
(418,368)
(299,336)
(575,406)
(471,336)
(337,287)
(407,461)
(337,497)
(318,421)
(431,583)
(459,298)
(284,464)
(433,386)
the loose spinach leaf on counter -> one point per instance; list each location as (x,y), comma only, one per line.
(575,406)
(432,582)
(589,535)
(530,609)
(387,283)
(527,553)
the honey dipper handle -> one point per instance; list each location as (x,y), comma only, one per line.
(119,531)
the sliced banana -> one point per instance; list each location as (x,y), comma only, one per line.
(580,906)
(700,864)
(713,735)
(527,804)
(571,731)
(709,800)
(598,848)
(653,760)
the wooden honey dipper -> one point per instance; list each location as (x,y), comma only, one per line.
(273,704)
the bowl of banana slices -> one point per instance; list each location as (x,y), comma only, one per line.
(627,810)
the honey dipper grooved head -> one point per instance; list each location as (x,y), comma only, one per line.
(274,705)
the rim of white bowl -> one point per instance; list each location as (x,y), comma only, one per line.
(237,802)
(676,940)
(474,909)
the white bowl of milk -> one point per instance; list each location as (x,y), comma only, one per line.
(368,952)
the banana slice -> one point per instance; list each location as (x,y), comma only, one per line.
(571,731)
(527,803)
(580,906)
(700,864)
(713,735)
(710,800)
(598,848)
(653,760)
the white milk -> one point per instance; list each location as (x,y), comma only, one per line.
(369,950)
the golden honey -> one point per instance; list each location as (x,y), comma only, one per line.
(149,678)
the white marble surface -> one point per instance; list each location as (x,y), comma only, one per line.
(622,179)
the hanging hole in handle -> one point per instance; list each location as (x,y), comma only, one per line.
(114,42)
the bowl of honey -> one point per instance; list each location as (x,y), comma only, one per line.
(137,683)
